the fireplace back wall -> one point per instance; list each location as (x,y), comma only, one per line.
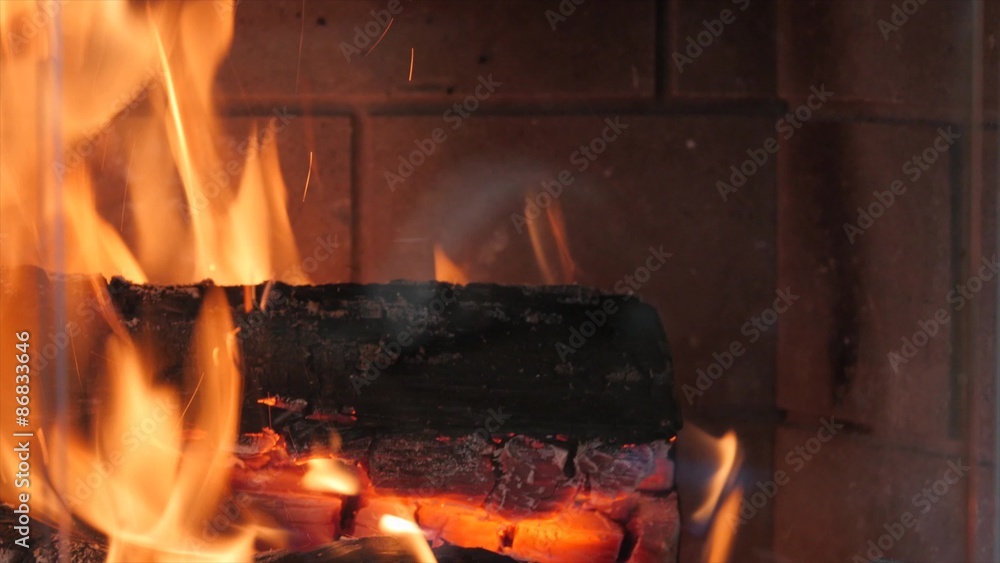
(436,135)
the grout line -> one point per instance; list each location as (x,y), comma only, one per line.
(834,112)
(973,233)
(661,44)
(435,106)
(957,369)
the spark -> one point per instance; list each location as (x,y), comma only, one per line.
(75,361)
(104,154)
(186,168)
(100,63)
(410,77)
(128,174)
(308,175)
(180,419)
(302,33)
(44,446)
(239,83)
(379,40)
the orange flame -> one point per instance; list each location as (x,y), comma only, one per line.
(721,515)
(719,545)
(161,57)
(726,449)
(554,231)
(134,476)
(81,79)
(445,270)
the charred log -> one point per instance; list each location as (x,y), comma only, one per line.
(404,357)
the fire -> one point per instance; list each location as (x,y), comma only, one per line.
(548,234)
(446,270)
(325,474)
(149,465)
(411,534)
(139,474)
(726,449)
(163,522)
(86,79)
(719,515)
(719,545)
(146,464)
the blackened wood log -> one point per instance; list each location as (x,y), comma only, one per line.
(405,356)
(44,545)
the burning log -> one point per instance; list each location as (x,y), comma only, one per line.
(360,550)
(530,422)
(408,357)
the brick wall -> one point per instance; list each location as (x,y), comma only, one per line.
(536,86)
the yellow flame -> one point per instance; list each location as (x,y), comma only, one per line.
(81,80)
(726,449)
(551,233)
(135,79)
(722,535)
(723,454)
(411,534)
(134,476)
(325,474)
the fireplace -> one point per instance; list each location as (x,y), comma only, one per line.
(365,280)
